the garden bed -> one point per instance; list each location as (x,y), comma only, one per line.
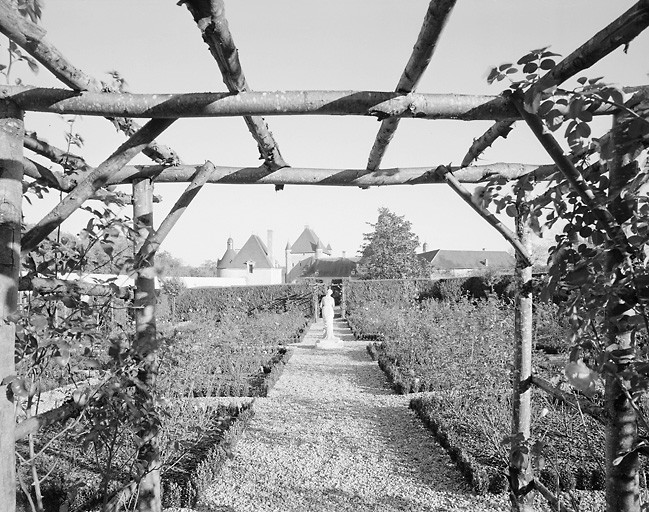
(459,353)
(472,436)
(195,442)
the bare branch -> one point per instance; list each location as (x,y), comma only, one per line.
(93,182)
(211,20)
(434,21)
(499,129)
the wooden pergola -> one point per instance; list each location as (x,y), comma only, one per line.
(86,96)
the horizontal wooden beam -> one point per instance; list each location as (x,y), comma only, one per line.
(272,103)
(280,103)
(333,177)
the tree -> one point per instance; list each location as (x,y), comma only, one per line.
(389,251)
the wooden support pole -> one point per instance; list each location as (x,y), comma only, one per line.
(11,193)
(622,479)
(211,21)
(431,29)
(93,182)
(149,499)
(155,238)
(520,463)
(522,252)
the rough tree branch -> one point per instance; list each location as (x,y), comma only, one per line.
(434,21)
(211,21)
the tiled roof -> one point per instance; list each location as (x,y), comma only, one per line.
(307,242)
(322,268)
(450,260)
(253,250)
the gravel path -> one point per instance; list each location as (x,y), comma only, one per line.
(332,436)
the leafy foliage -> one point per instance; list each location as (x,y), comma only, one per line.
(598,213)
(388,252)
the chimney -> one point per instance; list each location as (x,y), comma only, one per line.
(344,254)
(424,247)
(269,243)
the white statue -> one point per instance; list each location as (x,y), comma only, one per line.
(327,307)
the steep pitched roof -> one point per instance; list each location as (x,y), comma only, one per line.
(451,260)
(226,260)
(323,268)
(306,242)
(253,250)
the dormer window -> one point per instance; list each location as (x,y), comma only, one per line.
(250,265)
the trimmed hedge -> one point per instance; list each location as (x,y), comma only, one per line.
(570,464)
(206,303)
(404,291)
(184,485)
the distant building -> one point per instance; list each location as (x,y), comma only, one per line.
(307,245)
(253,262)
(309,259)
(325,270)
(446,263)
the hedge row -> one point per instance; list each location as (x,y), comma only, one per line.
(397,291)
(184,486)
(214,302)
(486,473)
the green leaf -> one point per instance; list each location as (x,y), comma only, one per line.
(530,67)
(547,64)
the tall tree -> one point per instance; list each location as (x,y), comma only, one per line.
(388,252)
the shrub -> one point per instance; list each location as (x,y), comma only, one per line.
(205,303)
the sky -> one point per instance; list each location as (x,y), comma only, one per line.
(305,45)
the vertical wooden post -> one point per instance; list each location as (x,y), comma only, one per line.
(343,299)
(520,468)
(622,480)
(149,499)
(12,132)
